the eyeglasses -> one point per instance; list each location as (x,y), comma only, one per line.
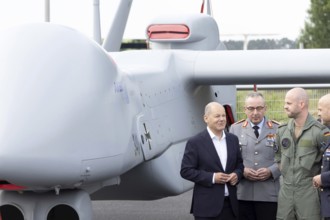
(258,108)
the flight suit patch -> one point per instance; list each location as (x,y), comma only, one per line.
(286,143)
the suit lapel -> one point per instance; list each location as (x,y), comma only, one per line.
(210,148)
(230,160)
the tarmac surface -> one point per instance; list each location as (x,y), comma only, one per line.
(169,208)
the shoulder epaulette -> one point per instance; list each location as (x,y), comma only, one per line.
(282,125)
(245,123)
(320,125)
(240,121)
(275,122)
(271,122)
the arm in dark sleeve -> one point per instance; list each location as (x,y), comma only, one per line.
(239,164)
(191,167)
(325,179)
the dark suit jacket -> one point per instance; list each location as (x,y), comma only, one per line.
(200,161)
(325,179)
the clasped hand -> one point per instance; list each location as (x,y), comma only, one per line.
(222,178)
(317,182)
(261,174)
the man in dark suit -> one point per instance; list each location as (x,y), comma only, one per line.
(213,161)
(322,181)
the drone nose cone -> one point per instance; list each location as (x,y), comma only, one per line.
(54,97)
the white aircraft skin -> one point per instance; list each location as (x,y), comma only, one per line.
(79,123)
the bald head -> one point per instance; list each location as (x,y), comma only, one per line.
(323,109)
(296,104)
(325,99)
(299,95)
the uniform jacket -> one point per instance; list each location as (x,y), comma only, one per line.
(301,159)
(325,179)
(258,153)
(200,161)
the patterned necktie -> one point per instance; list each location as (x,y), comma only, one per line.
(256,132)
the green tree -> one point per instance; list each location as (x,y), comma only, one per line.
(316,33)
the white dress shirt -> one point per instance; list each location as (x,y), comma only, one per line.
(259,125)
(221,148)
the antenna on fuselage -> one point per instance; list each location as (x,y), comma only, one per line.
(208,7)
(96,21)
(116,32)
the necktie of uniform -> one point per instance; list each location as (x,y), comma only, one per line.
(256,132)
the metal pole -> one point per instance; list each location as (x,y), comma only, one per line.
(47,10)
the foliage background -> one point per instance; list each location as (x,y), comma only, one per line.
(275,102)
(316,33)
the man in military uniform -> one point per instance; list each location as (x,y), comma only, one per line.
(322,181)
(258,190)
(301,143)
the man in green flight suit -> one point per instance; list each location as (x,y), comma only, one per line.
(300,145)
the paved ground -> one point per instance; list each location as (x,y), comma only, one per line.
(164,209)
